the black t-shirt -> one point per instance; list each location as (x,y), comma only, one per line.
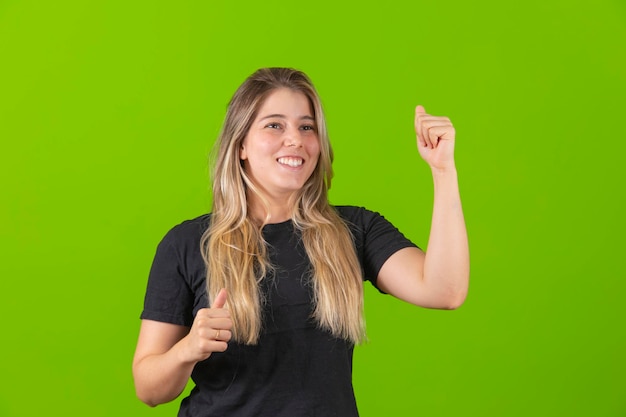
(296,369)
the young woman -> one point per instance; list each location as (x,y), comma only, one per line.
(260,302)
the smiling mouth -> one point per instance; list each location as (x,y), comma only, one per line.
(290,161)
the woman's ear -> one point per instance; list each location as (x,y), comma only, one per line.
(242,153)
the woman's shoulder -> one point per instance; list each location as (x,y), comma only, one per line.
(188,231)
(363,221)
(356,215)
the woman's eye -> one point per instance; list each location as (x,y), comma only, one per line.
(308,127)
(273,125)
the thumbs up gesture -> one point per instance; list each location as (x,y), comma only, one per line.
(435,139)
(210,331)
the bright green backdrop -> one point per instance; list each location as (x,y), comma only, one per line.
(108,110)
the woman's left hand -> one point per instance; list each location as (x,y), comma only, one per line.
(435,139)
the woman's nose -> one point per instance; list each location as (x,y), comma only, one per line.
(292,138)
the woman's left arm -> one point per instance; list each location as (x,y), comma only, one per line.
(438,278)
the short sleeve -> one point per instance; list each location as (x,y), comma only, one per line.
(176,283)
(376,239)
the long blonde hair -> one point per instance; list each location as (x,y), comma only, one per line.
(233,246)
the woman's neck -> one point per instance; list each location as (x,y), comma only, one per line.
(279,210)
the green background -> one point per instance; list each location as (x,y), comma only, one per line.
(108,110)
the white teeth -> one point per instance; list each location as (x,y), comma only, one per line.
(292,162)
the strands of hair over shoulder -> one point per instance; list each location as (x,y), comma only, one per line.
(233,246)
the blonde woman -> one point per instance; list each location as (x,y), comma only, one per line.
(260,302)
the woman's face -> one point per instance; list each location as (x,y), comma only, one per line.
(281,149)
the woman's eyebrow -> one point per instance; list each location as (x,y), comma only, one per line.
(282,116)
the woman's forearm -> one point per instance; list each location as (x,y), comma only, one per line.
(446,266)
(160,378)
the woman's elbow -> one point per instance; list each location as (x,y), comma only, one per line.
(145,397)
(149,403)
(452,299)
(452,303)
(145,392)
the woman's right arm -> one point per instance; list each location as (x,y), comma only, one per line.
(167,353)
